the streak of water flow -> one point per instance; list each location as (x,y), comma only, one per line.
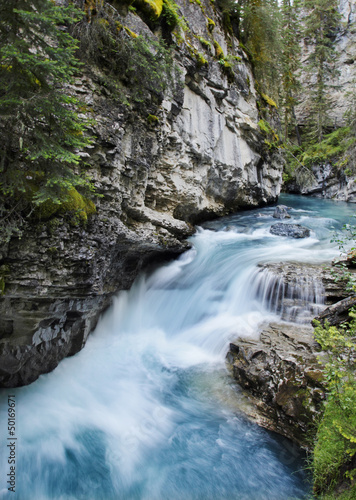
(147,411)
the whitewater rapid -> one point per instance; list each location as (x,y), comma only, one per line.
(147,410)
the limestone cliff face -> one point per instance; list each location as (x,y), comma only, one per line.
(329,182)
(202,156)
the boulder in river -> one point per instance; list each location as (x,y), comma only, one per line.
(291,230)
(281,212)
(283,377)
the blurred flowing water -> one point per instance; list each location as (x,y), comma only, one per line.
(147,410)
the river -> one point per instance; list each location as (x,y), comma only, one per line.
(148,411)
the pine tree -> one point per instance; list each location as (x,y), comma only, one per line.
(291,52)
(39,126)
(321,23)
(260,32)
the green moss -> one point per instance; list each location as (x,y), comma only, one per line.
(264,126)
(204,43)
(268,100)
(103,22)
(219,53)
(272,138)
(211,24)
(201,60)
(227,69)
(78,206)
(152,119)
(2,285)
(46,210)
(153,8)
(131,33)
(171,15)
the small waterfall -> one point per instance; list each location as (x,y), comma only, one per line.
(146,410)
(287,292)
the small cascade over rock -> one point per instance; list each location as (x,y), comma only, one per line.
(285,290)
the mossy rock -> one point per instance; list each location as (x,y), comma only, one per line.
(201,60)
(130,32)
(46,210)
(205,43)
(73,203)
(268,100)
(211,24)
(152,119)
(152,8)
(78,205)
(219,53)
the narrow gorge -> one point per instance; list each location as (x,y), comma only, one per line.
(173,206)
(202,155)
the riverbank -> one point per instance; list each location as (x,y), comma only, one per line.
(301,382)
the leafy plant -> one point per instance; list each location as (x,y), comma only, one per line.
(336,437)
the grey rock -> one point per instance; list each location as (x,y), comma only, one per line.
(290,230)
(283,377)
(327,182)
(281,212)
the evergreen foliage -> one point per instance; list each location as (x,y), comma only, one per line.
(260,27)
(40,128)
(137,67)
(321,24)
(291,52)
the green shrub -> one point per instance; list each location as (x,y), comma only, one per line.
(335,445)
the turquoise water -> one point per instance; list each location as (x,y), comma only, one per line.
(147,410)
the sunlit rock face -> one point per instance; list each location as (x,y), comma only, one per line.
(200,156)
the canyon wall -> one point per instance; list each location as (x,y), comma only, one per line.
(201,155)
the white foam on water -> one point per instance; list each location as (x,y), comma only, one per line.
(122,418)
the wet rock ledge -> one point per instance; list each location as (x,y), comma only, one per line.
(283,378)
